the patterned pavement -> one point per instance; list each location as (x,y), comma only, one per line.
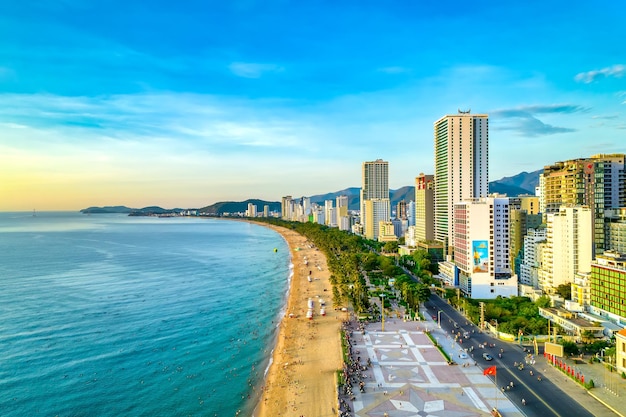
(409,376)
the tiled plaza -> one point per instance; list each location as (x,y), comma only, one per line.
(408,376)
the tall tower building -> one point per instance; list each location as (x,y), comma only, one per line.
(424,207)
(374,188)
(524,215)
(481,248)
(608,285)
(529,269)
(401,210)
(598,182)
(461,167)
(377,211)
(568,246)
(343,221)
(286,208)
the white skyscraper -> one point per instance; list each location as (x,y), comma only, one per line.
(461,166)
(530,266)
(374,194)
(568,248)
(481,248)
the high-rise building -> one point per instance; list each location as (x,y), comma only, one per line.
(375,187)
(481,248)
(376,211)
(598,182)
(568,247)
(424,207)
(615,229)
(529,269)
(330,216)
(343,220)
(401,210)
(524,215)
(461,167)
(608,286)
(286,208)
(251,211)
(410,211)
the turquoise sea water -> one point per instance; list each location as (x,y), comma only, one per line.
(110,315)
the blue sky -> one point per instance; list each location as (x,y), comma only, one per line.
(183,104)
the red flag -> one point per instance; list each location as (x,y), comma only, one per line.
(490,371)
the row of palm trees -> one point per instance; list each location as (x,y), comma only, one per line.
(350,257)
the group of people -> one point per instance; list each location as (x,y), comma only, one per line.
(353,371)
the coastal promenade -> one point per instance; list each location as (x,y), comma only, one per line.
(409,376)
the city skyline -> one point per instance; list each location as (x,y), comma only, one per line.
(144,103)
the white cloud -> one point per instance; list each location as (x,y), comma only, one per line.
(252,70)
(612,71)
(524,120)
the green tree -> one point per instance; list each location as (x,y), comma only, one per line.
(543,301)
(565,291)
(570,348)
(391,247)
(423,293)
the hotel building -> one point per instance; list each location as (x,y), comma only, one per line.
(608,286)
(598,182)
(568,247)
(461,167)
(481,248)
(424,207)
(375,203)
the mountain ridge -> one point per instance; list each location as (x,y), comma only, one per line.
(523,183)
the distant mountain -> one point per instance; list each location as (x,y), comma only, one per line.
(146,211)
(106,209)
(522,183)
(220,208)
(525,181)
(353,194)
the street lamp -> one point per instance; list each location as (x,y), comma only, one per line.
(382,309)
(439,318)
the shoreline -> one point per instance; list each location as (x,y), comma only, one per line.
(301,375)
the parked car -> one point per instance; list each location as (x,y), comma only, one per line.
(463,355)
(487,357)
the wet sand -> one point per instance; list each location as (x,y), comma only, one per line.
(302,378)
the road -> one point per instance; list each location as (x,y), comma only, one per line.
(543,397)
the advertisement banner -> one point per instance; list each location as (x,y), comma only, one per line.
(480,248)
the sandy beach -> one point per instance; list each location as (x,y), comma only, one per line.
(302,378)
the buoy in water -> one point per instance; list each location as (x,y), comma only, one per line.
(275,249)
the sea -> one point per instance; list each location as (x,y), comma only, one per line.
(111,315)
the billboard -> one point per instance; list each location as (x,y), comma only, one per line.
(480,250)
(553,349)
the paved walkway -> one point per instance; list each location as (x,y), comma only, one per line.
(608,396)
(410,377)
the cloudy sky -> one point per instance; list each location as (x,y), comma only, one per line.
(184,104)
